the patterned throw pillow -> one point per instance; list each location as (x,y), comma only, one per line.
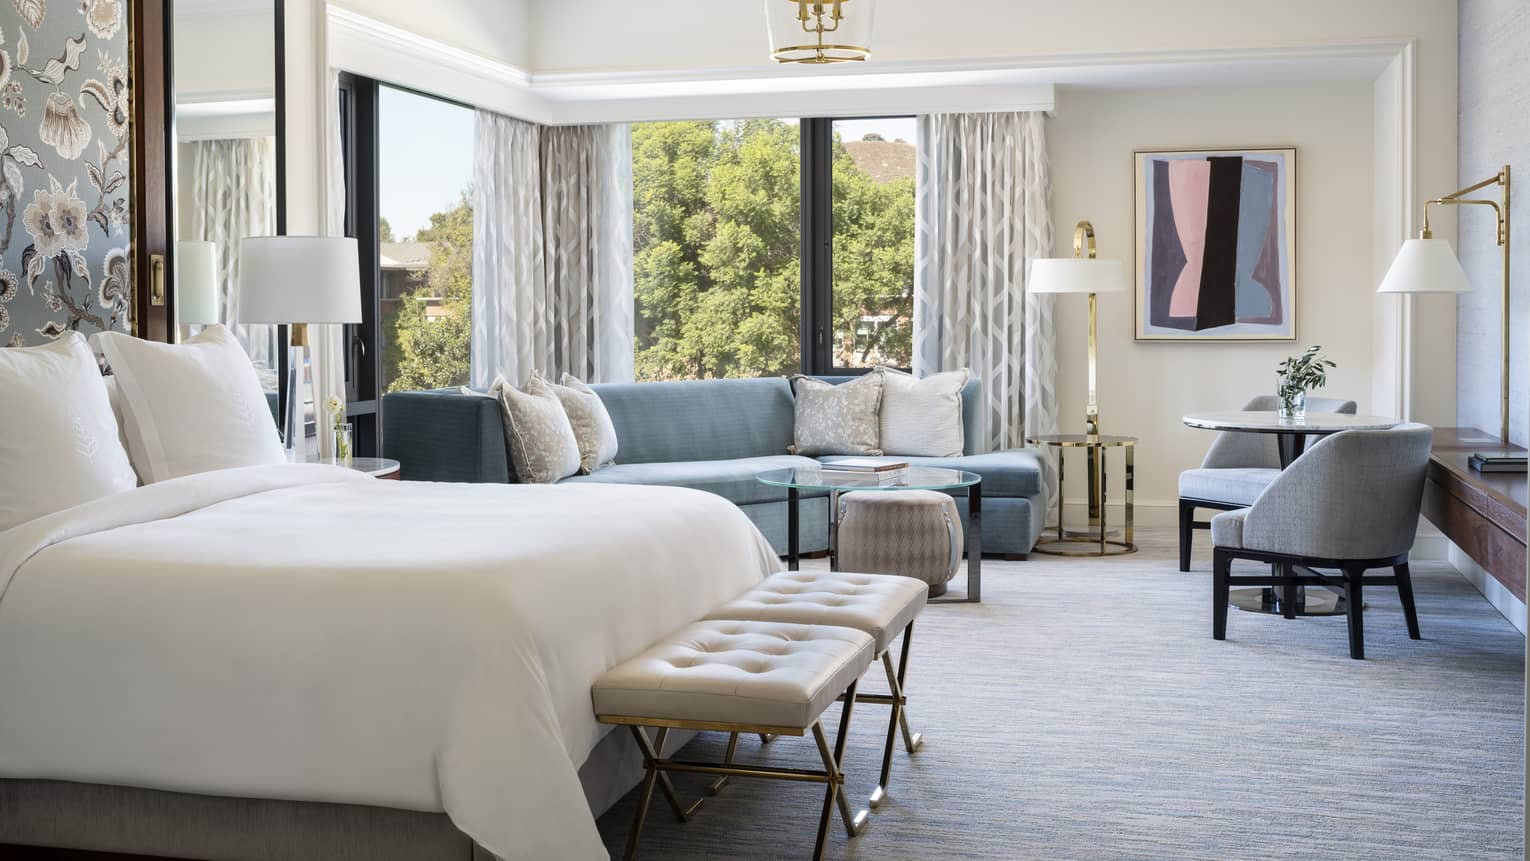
(923,417)
(588,416)
(838,419)
(542,445)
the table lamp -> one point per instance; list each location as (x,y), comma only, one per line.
(1427,265)
(295,281)
(1085,273)
(196,283)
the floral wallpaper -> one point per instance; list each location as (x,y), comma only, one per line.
(64,162)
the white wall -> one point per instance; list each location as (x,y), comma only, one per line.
(224,56)
(1145,387)
(496,29)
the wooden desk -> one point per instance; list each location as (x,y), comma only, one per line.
(1482,513)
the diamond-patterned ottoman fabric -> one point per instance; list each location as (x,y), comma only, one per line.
(912,533)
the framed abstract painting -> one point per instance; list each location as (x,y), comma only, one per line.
(1216,245)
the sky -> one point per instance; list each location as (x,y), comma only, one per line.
(425,148)
(891,128)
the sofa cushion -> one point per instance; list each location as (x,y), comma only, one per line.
(923,417)
(1232,486)
(837,418)
(731,479)
(1016,472)
(699,419)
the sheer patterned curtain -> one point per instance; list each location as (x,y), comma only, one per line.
(509,336)
(552,251)
(587,230)
(234,184)
(327,364)
(983,214)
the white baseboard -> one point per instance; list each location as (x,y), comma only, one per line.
(1501,598)
(1430,545)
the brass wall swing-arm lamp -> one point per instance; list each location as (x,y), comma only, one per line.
(1427,265)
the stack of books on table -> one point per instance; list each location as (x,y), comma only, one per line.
(1497,461)
(865,471)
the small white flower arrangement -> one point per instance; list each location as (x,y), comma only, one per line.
(336,409)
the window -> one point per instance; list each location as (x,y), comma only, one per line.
(425,239)
(873,242)
(716,248)
(752,238)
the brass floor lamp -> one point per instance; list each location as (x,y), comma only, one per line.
(1085,273)
(1427,265)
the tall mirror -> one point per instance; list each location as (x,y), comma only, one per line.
(223,170)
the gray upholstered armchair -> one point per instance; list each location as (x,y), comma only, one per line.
(1350,503)
(1236,470)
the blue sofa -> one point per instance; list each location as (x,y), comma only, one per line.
(712,435)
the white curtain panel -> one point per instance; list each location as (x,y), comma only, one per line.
(509,280)
(587,230)
(234,183)
(327,342)
(983,214)
(552,251)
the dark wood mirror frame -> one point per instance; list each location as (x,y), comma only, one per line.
(153,41)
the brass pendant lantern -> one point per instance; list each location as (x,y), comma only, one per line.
(819,31)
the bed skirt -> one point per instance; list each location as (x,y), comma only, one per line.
(84,816)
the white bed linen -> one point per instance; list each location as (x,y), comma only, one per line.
(308,633)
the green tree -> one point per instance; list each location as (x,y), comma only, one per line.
(384,231)
(430,332)
(873,265)
(716,252)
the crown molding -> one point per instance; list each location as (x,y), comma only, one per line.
(364,45)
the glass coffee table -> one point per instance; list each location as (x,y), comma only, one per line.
(796,480)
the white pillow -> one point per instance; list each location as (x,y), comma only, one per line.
(543,448)
(592,424)
(60,446)
(191,407)
(923,418)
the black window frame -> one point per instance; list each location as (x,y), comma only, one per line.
(360,140)
(817,174)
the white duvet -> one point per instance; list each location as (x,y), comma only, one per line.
(309,633)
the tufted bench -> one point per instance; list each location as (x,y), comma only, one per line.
(882,606)
(734,676)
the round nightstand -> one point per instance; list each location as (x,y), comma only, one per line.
(377,467)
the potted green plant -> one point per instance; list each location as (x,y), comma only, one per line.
(1299,375)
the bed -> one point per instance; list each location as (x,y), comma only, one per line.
(302,647)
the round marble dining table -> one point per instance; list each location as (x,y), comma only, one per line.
(1291,433)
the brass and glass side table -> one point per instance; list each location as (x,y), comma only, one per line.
(1096,540)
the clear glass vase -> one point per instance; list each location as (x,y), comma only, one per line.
(1293,405)
(342,451)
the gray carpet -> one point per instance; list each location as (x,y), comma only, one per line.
(1084,712)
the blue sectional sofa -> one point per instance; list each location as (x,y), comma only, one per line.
(712,435)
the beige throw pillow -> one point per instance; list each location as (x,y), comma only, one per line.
(537,432)
(588,417)
(838,419)
(923,417)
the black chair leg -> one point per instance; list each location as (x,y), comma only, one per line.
(1221,569)
(1186,530)
(1287,590)
(1354,596)
(1405,594)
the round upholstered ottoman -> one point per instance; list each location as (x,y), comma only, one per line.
(912,533)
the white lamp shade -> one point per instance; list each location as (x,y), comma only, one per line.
(797,41)
(196,282)
(299,279)
(1076,275)
(1425,266)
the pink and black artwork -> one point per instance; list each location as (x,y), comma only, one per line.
(1216,245)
